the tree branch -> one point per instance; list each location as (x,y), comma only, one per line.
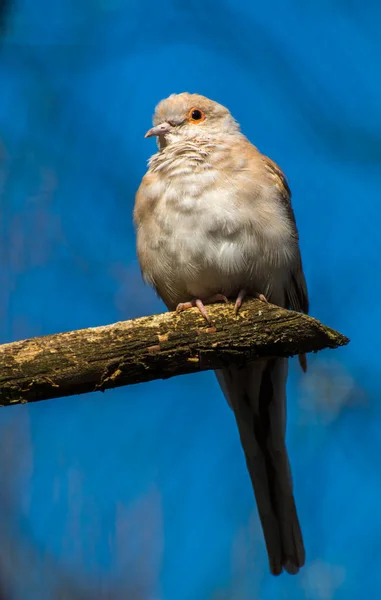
(155,347)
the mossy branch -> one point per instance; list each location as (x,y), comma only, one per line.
(155,347)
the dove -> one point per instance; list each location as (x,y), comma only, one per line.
(214,221)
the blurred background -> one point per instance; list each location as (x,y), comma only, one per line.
(142,492)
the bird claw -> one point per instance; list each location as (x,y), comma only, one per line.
(238,302)
(192,304)
(197,303)
(241,296)
(261,297)
(200,304)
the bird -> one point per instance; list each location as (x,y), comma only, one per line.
(214,222)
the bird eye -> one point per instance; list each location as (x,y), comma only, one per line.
(196,115)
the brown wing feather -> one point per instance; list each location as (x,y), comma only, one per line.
(296,290)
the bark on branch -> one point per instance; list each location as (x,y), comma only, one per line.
(155,347)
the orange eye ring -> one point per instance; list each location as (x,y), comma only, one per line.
(196,115)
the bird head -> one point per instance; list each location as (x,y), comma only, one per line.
(189,116)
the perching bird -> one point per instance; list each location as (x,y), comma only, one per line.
(214,221)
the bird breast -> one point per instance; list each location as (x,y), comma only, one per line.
(211,230)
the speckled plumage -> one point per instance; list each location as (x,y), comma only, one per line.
(213,216)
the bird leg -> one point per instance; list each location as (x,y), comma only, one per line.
(200,304)
(241,296)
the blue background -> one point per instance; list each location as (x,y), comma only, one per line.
(142,492)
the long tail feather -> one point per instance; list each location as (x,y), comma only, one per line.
(257,395)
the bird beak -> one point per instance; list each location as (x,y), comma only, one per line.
(161,129)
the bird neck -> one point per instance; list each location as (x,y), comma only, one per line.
(188,154)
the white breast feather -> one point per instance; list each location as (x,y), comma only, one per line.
(211,242)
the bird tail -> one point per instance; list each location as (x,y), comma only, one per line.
(257,395)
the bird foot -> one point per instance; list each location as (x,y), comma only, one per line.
(241,296)
(200,304)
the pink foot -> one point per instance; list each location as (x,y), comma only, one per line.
(241,296)
(196,302)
